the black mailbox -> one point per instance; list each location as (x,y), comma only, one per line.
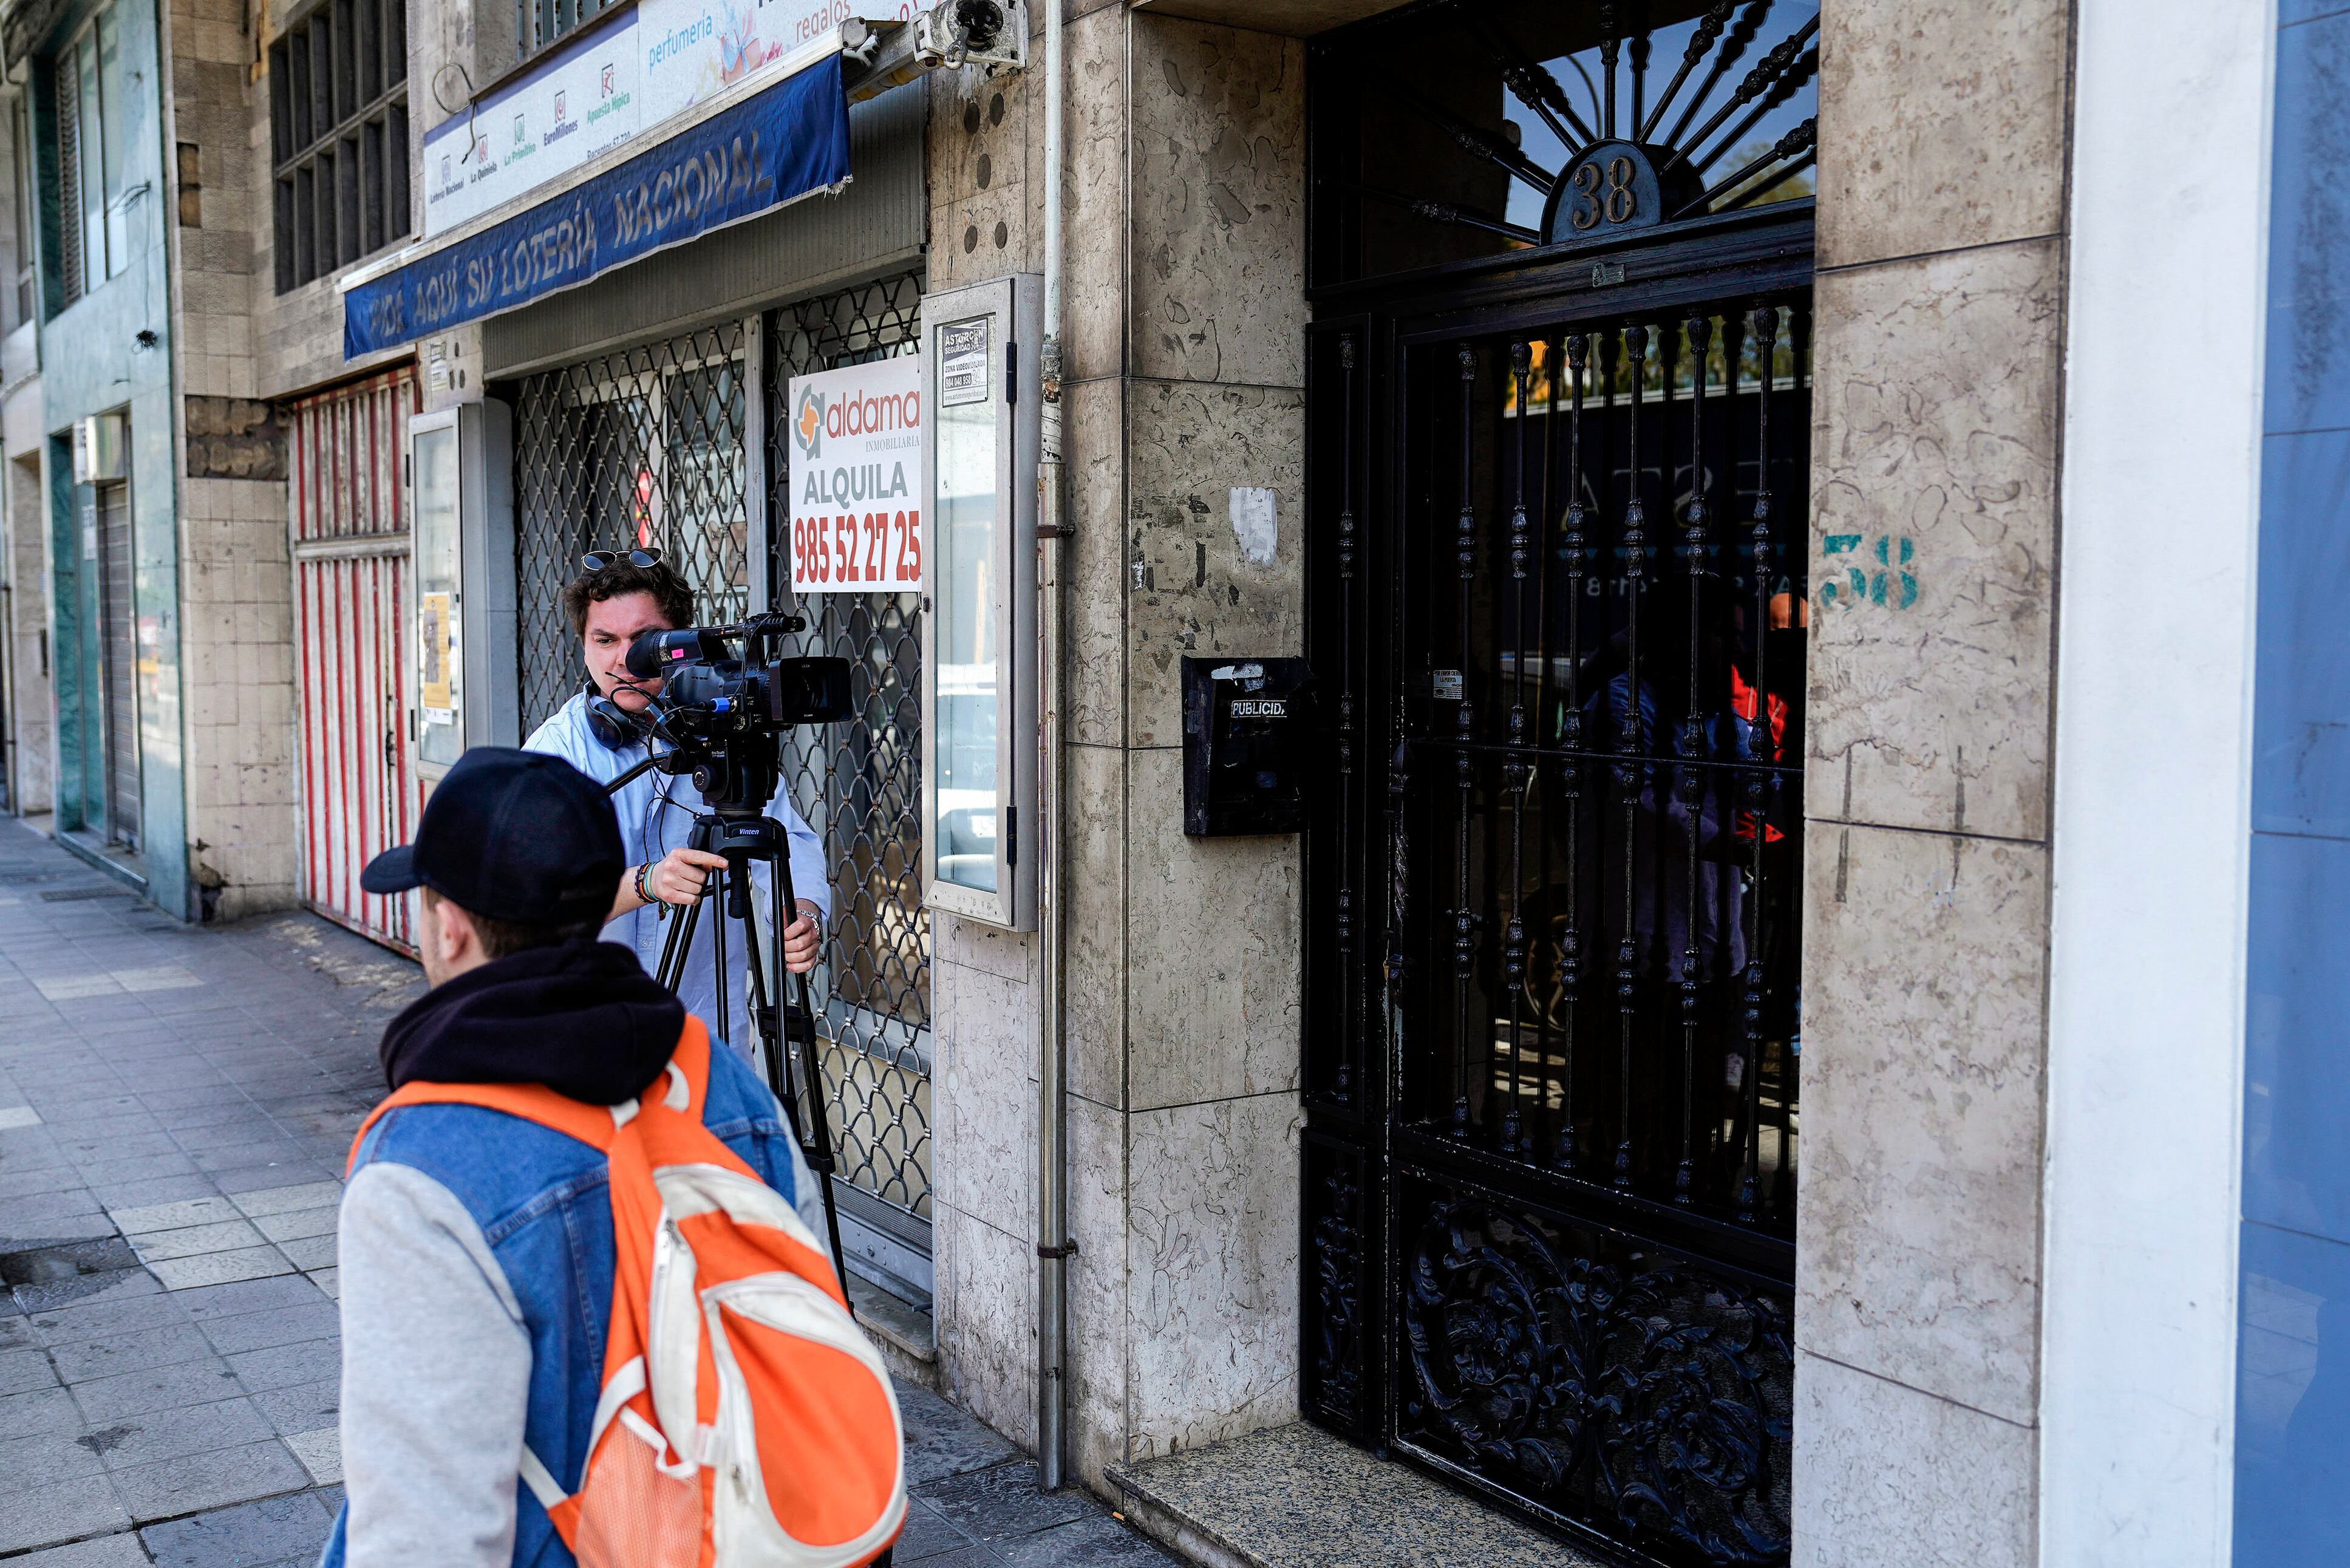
(1247,725)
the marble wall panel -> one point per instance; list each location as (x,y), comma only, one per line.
(980,132)
(1943,124)
(1934,447)
(985,1041)
(1008,955)
(1215,926)
(980,236)
(1099,1352)
(1093,967)
(1093,425)
(1925,982)
(1211,1240)
(985,1307)
(1093,194)
(1884,1474)
(1192,590)
(1219,173)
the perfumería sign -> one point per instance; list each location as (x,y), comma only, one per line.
(857,478)
(619,81)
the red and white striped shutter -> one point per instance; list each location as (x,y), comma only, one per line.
(350,596)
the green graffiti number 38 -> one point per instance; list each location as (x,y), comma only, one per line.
(1605,193)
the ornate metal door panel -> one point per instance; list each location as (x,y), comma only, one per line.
(1558,504)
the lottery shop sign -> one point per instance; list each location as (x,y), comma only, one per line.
(857,478)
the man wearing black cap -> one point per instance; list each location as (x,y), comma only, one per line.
(475,1246)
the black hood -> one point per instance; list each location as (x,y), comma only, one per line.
(582,1018)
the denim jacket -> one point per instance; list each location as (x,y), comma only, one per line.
(541,1200)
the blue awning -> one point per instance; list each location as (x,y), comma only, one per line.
(774,146)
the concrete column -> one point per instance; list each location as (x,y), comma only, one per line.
(1939,360)
(1185,192)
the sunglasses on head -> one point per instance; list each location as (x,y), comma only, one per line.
(600,560)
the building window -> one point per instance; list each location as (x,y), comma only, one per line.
(21,146)
(338,135)
(539,23)
(89,157)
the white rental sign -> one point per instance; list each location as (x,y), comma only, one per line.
(857,478)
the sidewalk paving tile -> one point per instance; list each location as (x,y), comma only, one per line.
(14,1116)
(44,1460)
(299,1223)
(321,1453)
(243,1537)
(42,1410)
(242,1296)
(1001,1500)
(67,1510)
(265,1330)
(289,1366)
(22,1371)
(311,1251)
(168,1434)
(138,1350)
(123,1551)
(193,1241)
(1096,1542)
(305,1406)
(220,1268)
(105,1400)
(213,1479)
(101,1320)
(134,1222)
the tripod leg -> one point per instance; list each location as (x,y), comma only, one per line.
(679,940)
(811,1075)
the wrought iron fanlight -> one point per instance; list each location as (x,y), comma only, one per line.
(1633,160)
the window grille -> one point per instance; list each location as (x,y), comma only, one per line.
(539,23)
(68,102)
(338,137)
(21,161)
(92,227)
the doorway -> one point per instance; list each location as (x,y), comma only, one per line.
(118,656)
(1559,413)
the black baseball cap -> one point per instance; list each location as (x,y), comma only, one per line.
(512,835)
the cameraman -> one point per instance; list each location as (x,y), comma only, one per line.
(615,599)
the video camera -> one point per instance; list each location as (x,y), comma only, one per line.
(721,712)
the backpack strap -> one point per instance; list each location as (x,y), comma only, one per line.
(595,1125)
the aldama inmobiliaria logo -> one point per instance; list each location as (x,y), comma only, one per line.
(807,428)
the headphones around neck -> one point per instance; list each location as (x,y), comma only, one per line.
(611,723)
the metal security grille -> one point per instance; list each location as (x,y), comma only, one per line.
(639,446)
(647,445)
(860,785)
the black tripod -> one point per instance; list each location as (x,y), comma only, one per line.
(784,1028)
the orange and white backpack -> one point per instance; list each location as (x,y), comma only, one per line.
(746,1421)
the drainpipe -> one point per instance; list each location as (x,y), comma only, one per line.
(1054,1246)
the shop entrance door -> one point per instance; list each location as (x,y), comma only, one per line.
(350,528)
(1556,595)
(118,625)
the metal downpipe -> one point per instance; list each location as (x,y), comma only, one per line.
(1054,1246)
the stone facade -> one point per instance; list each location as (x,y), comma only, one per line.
(1184,192)
(1939,360)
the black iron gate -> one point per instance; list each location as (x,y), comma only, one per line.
(1558,503)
